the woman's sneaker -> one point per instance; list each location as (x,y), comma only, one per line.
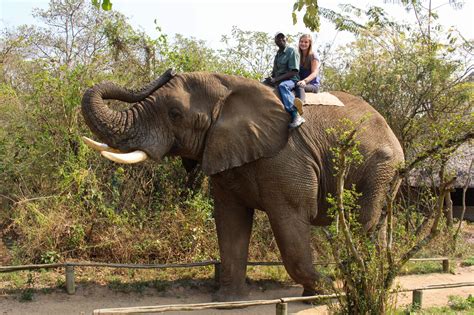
(297,121)
(299,105)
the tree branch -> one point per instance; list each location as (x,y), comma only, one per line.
(426,154)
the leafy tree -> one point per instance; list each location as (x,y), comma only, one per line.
(419,81)
(64,200)
(190,54)
(368,261)
(250,52)
(425,12)
(106,5)
(311,16)
(71,32)
(415,84)
(131,47)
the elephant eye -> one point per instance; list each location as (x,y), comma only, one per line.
(175,114)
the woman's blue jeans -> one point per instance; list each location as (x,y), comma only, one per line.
(300,91)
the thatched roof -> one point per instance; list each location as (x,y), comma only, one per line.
(458,165)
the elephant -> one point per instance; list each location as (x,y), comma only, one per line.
(237,130)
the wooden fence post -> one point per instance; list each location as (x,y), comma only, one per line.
(217,272)
(446,265)
(70,285)
(281,309)
(417,300)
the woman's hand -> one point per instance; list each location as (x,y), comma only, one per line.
(301,83)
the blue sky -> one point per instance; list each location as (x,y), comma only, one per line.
(210,19)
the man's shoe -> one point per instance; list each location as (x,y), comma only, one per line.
(299,105)
(298,121)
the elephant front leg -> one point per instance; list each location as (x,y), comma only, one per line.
(234,226)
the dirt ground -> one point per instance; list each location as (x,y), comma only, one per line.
(92,297)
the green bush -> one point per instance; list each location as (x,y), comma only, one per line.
(458,303)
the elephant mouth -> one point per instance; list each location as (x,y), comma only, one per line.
(116,155)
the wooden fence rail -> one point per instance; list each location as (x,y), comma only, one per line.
(69,267)
(281,304)
(203,306)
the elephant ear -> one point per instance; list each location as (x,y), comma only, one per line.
(251,124)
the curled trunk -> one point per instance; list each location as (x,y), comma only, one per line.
(110,126)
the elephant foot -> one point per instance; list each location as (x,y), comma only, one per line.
(309,292)
(312,292)
(230,295)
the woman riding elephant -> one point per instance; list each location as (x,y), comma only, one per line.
(309,68)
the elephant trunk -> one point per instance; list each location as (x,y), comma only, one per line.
(110,126)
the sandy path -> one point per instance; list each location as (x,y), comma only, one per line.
(88,298)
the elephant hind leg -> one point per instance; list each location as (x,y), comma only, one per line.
(374,189)
(293,238)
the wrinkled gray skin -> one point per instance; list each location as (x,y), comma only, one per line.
(236,129)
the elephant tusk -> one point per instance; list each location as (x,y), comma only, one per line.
(126,158)
(99,146)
